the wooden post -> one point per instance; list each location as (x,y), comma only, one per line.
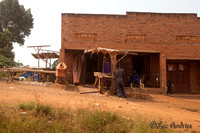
(95,83)
(50,64)
(46,62)
(102,85)
(113,57)
(135,91)
(131,88)
(12,75)
(38,51)
(33,76)
(8,76)
(103,62)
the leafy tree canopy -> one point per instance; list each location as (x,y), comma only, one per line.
(16,19)
(6,54)
(15,24)
(55,63)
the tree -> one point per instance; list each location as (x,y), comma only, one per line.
(6,54)
(18,64)
(55,63)
(15,24)
(16,19)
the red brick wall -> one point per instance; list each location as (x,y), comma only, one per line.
(69,62)
(173,34)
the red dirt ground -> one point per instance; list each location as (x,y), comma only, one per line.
(166,108)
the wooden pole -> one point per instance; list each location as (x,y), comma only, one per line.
(12,75)
(8,76)
(33,76)
(121,58)
(46,62)
(103,62)
(113,57)
(50,64)
(38,51)
(38,58)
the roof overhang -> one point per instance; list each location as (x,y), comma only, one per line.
(107,51)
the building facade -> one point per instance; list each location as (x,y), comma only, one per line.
(166,43)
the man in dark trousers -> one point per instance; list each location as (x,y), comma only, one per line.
(119,74)
(134,78)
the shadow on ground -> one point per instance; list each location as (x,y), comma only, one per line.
(185,96)
(72,88)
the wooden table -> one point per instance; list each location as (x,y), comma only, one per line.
(100,78)
(21,71)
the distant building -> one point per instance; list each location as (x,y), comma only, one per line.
(166,43)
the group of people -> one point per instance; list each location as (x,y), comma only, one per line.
(134,78)
(119,75)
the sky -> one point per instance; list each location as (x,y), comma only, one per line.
(47,18)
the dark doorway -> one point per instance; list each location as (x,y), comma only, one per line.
(93,64)
(178,73)
(139,64)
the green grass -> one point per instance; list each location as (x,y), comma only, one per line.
(44,109)
(27,106)
(44,118)
(190,109)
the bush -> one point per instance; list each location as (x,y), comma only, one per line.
(44,109)
(27,106)
(44,118)
(3,74)
(191,109)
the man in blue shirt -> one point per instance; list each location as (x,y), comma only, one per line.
(134,78)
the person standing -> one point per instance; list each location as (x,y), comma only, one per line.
(119,74)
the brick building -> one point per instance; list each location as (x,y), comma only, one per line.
(167,43)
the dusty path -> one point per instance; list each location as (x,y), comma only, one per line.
(166,108)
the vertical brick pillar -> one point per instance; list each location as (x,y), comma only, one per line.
(62,55)
(163,75)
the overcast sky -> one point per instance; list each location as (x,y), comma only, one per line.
(47,18)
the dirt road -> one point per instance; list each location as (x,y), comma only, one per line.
(176,108)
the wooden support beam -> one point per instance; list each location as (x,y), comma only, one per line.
(96,81)
(113,57)
(30,70)
(121,58)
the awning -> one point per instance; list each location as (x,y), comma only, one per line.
(107,50)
